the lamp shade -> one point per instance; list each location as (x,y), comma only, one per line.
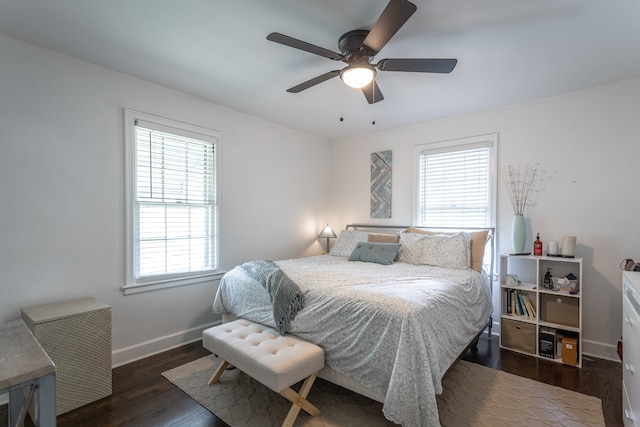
(358,76)
(327,232)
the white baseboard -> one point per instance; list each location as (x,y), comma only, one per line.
(157,345)
(495,328)
(600,350)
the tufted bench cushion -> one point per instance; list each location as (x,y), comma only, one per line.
(276,361)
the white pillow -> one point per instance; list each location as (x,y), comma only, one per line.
(347,242)
(446,251)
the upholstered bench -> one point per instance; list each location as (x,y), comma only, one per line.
(276,361)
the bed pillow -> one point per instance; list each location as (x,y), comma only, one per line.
(347,240)
(384,238)
(478,244)
(440,250)
(380,253)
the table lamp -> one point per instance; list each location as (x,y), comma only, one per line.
(327,233)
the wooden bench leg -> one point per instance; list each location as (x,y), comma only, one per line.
(299,401)
(218,373)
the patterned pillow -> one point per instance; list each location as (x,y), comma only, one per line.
(347,241)
(478,243)
(447,251)
(380,253)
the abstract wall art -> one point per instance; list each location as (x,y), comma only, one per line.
(381,184)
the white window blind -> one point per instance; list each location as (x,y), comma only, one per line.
(455,184)
(175,203)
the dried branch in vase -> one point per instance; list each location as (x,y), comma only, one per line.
(518,182)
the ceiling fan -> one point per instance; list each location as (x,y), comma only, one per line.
(359,47)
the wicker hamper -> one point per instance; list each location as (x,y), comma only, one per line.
(77,336)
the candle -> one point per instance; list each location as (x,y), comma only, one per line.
(552,247)
(569,246)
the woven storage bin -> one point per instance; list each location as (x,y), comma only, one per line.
(559,309)
(518,335)
(77,337)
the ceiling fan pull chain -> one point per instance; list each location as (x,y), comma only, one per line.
(373,111)
(341,115)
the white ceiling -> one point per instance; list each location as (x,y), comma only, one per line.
(508,51)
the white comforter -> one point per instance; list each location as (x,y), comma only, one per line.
(395,329)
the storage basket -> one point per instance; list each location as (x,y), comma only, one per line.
(77,337)
(561,310)
(573,284)
(518,335)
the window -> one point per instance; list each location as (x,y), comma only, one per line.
(173,202)
(456,182)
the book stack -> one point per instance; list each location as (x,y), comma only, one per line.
(518,303)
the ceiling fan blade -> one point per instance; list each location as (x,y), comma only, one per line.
(307,47)
(390,21)
(418,65)
(372,92)
(314,81)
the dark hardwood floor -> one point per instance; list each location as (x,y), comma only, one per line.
(143,398)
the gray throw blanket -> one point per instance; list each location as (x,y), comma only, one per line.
(285,295)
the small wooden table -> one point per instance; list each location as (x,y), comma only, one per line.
(26,370)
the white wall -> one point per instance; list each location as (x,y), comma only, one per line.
(62,193)
(587,144)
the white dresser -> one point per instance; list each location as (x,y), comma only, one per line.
(631,348)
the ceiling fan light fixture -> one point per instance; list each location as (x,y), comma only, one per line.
(358,76)
(359,47)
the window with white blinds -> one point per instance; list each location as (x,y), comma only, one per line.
(174,201)
(456,183)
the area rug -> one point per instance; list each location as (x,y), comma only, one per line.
(473,395)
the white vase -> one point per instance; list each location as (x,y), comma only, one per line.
(518,234)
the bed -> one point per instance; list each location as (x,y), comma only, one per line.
(390,331)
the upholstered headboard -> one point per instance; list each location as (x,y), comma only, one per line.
(488,234)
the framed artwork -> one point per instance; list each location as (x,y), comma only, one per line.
(381,184)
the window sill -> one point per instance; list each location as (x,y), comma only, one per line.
(171,283)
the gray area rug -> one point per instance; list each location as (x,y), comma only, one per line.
(473,395)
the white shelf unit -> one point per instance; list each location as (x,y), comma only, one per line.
(559,310)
